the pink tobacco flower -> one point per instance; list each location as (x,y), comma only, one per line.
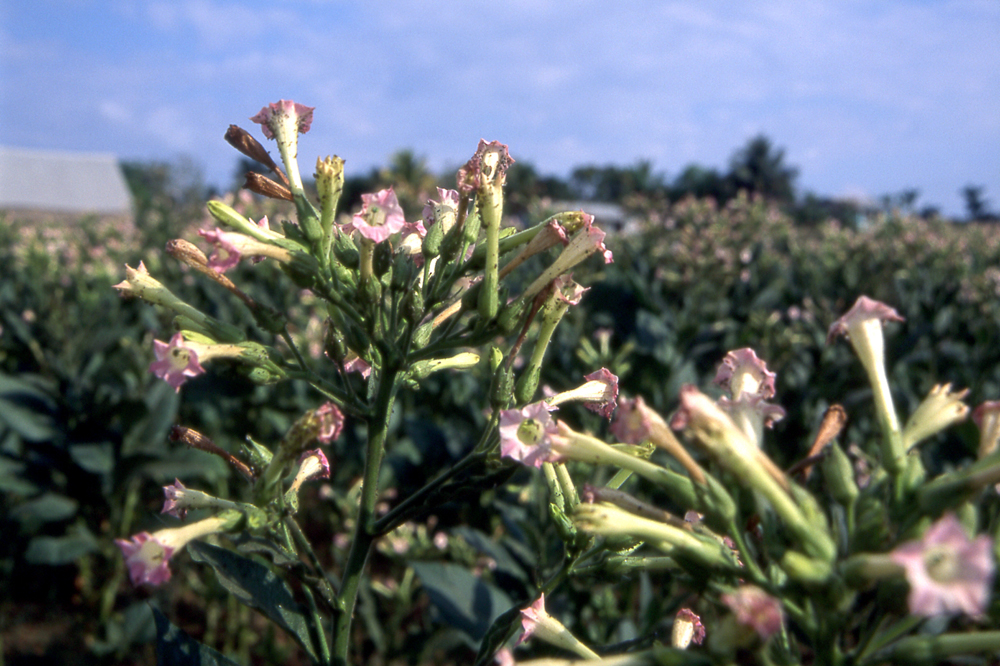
(381,216)
(687,629)
(284,111)
(549,236)
(146,559)
(411,238)
(525,434)
(473,176)
(741,372)
(609,398)
(755,608)
(175,362)
(567,291)
(230,247)
(947,571)
(752,414)
(146,555)
(864,310)
(632,424)
(178,499)
(504,657)
(585,242)
(447,207)
(599,394)
(531,617)
(312,465)
(536,622)
(862,324)
(225,255)
(331,422)
(358,365)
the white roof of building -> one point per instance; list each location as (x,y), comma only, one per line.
(62,182)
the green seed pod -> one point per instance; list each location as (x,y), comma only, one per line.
(431,247)
(564,526)
(471,296)
(470,231)
(839,475)
(496,358)
(423,335)
(403,270)
(258,454)
(334,343)
(308,219)
(501,388)
(262,376)
(382,260)
(344,275)
(346,251)
(527,384)
(510,316)
(413,306)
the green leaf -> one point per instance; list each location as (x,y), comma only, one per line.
(175,648)
(149,434)
(499,633)
(31,425)
(47,508)
(487,546)
(464,601)
(94,458)
(56,551)
(257,586)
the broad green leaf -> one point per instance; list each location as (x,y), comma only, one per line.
(175,648)
(47,508)
(94,458)
(499,633)
(496,551)
(56,551)
(149,434)
(464,601)
(30,424)
(257,586)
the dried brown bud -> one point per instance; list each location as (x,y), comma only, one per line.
(242,141)
(196,440)
(263,185)
(190,254)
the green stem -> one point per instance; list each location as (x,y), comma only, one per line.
(303,542)
(414,503)
(316,629)
(364,534)
(748,561)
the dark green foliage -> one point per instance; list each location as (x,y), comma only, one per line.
(83,424)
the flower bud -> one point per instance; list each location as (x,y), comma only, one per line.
(329,184)
(462,361)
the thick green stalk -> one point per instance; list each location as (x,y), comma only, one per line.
(364,535)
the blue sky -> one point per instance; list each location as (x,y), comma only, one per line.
(865,97)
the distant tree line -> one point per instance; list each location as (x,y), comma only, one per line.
(759,169)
